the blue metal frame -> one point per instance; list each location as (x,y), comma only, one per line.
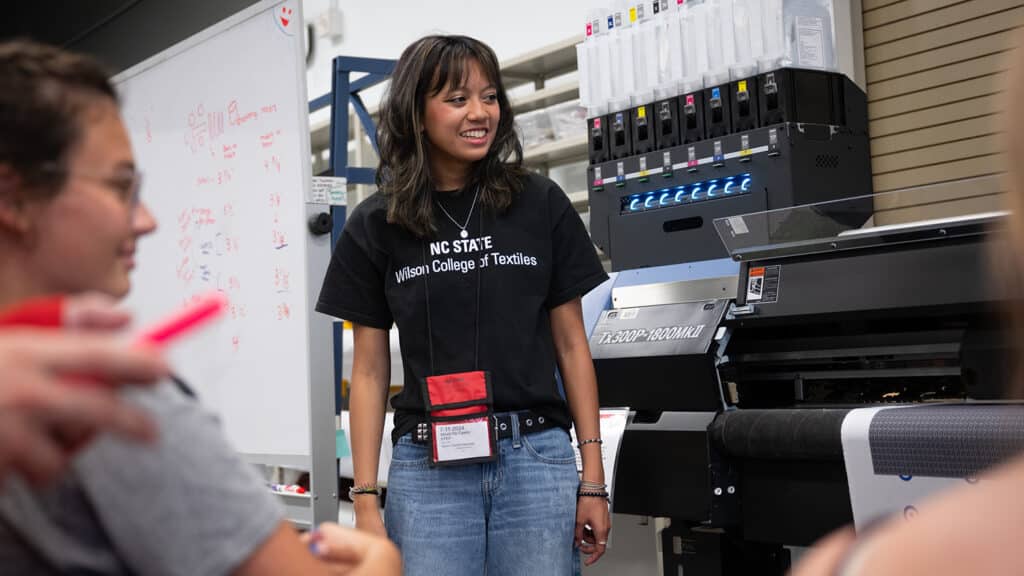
(345,91)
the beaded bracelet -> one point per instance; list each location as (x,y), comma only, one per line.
(363,489)
(592,494)
(583,443)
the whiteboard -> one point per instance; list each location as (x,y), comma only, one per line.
(219,126)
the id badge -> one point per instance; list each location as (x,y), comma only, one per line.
(459,408)
(462,441)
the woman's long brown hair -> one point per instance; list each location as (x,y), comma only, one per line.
(425,68)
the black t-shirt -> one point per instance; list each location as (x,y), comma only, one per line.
(520,263)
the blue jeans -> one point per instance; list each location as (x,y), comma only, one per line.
(513,516)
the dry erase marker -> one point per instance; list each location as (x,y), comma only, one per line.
(195,314)
(287,489)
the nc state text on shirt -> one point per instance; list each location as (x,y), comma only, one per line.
(465,246)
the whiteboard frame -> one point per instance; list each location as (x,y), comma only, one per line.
(322,462)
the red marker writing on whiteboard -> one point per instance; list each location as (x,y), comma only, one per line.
(195,314)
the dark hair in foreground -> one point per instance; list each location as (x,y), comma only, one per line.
(44,91)
(428,66)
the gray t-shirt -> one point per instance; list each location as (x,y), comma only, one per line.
(187,505)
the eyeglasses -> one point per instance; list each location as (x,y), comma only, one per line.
(126,184)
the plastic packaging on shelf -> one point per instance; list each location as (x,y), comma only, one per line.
(567,119)
(534,128)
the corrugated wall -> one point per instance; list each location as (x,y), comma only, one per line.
(935,71)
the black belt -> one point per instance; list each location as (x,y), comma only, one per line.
(529,422)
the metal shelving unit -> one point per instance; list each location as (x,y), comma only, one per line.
(569,149)
(546,97)
(542,64)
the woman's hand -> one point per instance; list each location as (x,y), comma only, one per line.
(47,411)
(353,552)
(824,556)
(368,518)
(94,311)
(593,525)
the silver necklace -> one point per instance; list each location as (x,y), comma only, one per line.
(462,227)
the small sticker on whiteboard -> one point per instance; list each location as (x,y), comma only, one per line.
(738,225)
(329,190)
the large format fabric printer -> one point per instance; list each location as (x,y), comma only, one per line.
(740,372)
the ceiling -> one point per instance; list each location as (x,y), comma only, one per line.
(61,22)
(120,33)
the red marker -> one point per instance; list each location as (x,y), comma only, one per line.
(196,313)
(287,488)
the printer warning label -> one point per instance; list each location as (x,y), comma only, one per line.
(763,284)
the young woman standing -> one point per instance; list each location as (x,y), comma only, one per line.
(481,265)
